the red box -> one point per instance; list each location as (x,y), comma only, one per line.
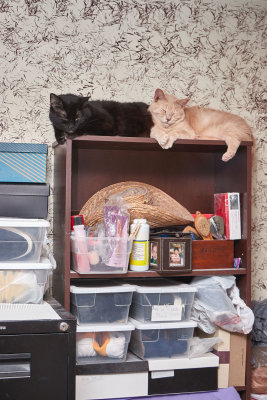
(227,206)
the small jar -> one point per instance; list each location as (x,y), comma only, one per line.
(139,259)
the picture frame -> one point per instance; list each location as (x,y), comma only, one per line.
(170,254)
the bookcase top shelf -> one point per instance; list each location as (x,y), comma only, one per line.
(146,143)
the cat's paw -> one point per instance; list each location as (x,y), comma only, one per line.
(61,140)
(227,156)
(163,140)
(169,144)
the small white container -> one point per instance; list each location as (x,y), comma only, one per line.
(162,300)
(139,258)
(162,339)
(21,240)
(101,302)
(23,282)
(102,343)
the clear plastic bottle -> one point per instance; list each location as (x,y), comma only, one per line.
(139,259)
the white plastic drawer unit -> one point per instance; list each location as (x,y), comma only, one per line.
(103,343)
(21,239)
(161,339)
(102,302)
(162,300)
(23,282)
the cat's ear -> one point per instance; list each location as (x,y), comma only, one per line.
(159,95)
(55,101)
(183,102)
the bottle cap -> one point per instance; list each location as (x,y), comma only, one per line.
(140,220)
(76,220)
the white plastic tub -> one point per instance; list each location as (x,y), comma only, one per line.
(102,343)
(23,282)
(101,302)
(161,301)
(21,239)
(162,339)
(100,255)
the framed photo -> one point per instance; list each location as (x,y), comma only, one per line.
(154,253)
(171,254)
(176,254)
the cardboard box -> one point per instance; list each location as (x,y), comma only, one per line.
(232,358)
(23,162)
(227,206)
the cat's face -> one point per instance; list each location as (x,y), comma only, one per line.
(68,113)
(167,109)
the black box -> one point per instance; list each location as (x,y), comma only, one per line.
(170,254)
(24,200)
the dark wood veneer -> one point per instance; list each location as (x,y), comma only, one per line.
(191,172)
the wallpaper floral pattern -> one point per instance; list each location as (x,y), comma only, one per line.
(212,51)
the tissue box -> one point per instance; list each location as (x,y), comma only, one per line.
(23,162)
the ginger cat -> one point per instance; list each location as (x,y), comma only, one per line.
(172,120)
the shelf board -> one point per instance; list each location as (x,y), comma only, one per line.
(142,143)
(154,274)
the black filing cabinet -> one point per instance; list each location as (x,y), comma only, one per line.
(37,358)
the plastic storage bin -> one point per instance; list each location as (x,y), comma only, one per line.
(162,300)
(102,343)
(105,255)
(101,302)
(162,339)
(21,239)
(23,282)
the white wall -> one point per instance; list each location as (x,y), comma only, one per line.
(123,49)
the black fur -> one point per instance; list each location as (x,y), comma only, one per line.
(74,116)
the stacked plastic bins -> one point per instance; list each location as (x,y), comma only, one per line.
(23,273)
(160,312)
(103,330)
(23,205)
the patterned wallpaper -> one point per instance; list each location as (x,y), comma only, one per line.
(210,50)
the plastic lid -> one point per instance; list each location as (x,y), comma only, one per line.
(105,288)
(43,264)
(162,325)
(105,327)
(162,286)
(24,222)
(74,221)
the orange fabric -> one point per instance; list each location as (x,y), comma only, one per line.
(100,345)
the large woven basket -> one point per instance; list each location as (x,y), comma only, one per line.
(144,201)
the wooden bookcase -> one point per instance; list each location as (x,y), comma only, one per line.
(191,172)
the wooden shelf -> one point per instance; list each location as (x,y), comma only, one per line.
(190,172)
(140,143)
(154,274)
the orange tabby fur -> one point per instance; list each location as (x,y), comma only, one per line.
(172,120)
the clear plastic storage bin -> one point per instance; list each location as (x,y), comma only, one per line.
(162,339)
(21,239)
(102,343)
(23,282)
(101,302)
(161,301)
(92,255)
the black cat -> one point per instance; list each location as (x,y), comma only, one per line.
(74,116)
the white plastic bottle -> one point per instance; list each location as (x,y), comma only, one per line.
(139,259)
